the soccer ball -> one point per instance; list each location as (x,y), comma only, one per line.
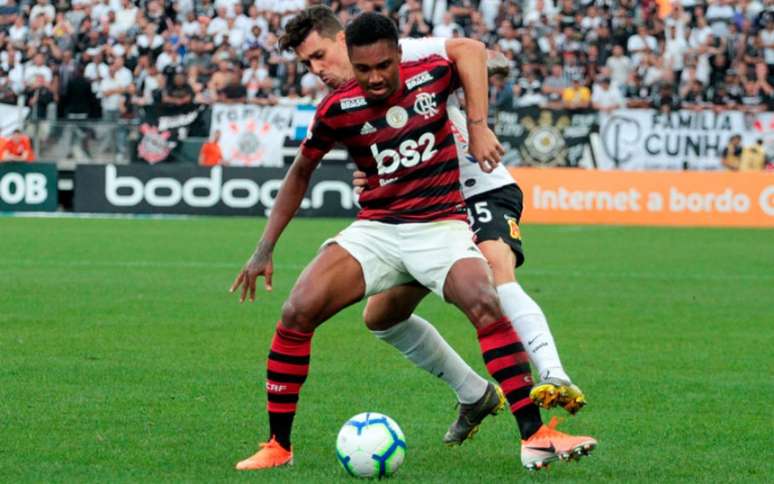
(370,445)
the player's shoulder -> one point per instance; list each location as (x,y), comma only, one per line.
(340,99)
(433,60)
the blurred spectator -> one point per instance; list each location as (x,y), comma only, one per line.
(150,42)
(415,25)
(78,99)
(619,65)
(693,96)
(753,157)
(555,84)
(45,9)
(732,153)
(675,49)
(447,28)
(39,95)
(178,92)
(112,91)
(528,91)
(233,92)
(7,94)
(605,97)
(576,96)
(753,99)
(767,42)
(722,99)
(663,98)
(37,70)
(640,43)
(169,60)
(720,13)
(500,92)
(210,154)
(17,147)
(14,70)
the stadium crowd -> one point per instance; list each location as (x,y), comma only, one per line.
(104,59)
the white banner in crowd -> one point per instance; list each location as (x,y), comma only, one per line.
(252,135)
(12,118)
(645,139)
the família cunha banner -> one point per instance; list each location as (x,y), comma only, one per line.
(689,198)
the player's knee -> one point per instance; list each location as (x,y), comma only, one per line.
(485,306)
(377,320)
(298,315)
(501,260)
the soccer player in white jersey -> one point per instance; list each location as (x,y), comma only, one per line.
(494,202)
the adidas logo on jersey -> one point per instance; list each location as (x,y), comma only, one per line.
(367,129)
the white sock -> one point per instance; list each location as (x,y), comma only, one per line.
(421,343)
(532,327)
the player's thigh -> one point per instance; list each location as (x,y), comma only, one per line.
(386,309)
(442,257)
(494,217)
(330,283)
(376,246)
(469,286)
(429,250)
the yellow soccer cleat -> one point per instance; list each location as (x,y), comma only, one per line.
(552,393)
(271,455)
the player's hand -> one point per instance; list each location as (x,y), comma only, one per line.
(259,264)
(484,146)
(359,181)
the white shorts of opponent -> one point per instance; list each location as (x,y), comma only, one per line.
(395,254)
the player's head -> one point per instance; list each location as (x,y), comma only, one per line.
(374,52)
(317,38)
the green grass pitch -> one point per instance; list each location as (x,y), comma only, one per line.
(123,358)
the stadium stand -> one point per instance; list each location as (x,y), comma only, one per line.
(102,61)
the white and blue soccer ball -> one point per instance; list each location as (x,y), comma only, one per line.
(371,445)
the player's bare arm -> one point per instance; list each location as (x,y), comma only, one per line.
(288,201)
(470,59)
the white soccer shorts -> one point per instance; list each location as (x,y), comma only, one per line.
(395,254)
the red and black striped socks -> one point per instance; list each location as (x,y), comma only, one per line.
(508,363)
(286,372)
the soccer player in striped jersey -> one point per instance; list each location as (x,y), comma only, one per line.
(494,203)
(412,226)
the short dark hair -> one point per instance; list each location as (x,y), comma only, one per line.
(319,18)
(369,28)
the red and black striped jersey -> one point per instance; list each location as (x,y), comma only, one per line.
(404,144)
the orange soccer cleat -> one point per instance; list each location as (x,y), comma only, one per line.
(548,444)
(271,455)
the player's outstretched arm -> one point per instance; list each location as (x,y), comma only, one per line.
(289,198)
(470,59)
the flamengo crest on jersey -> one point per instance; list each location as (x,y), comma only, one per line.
(404,144)
(473,180)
